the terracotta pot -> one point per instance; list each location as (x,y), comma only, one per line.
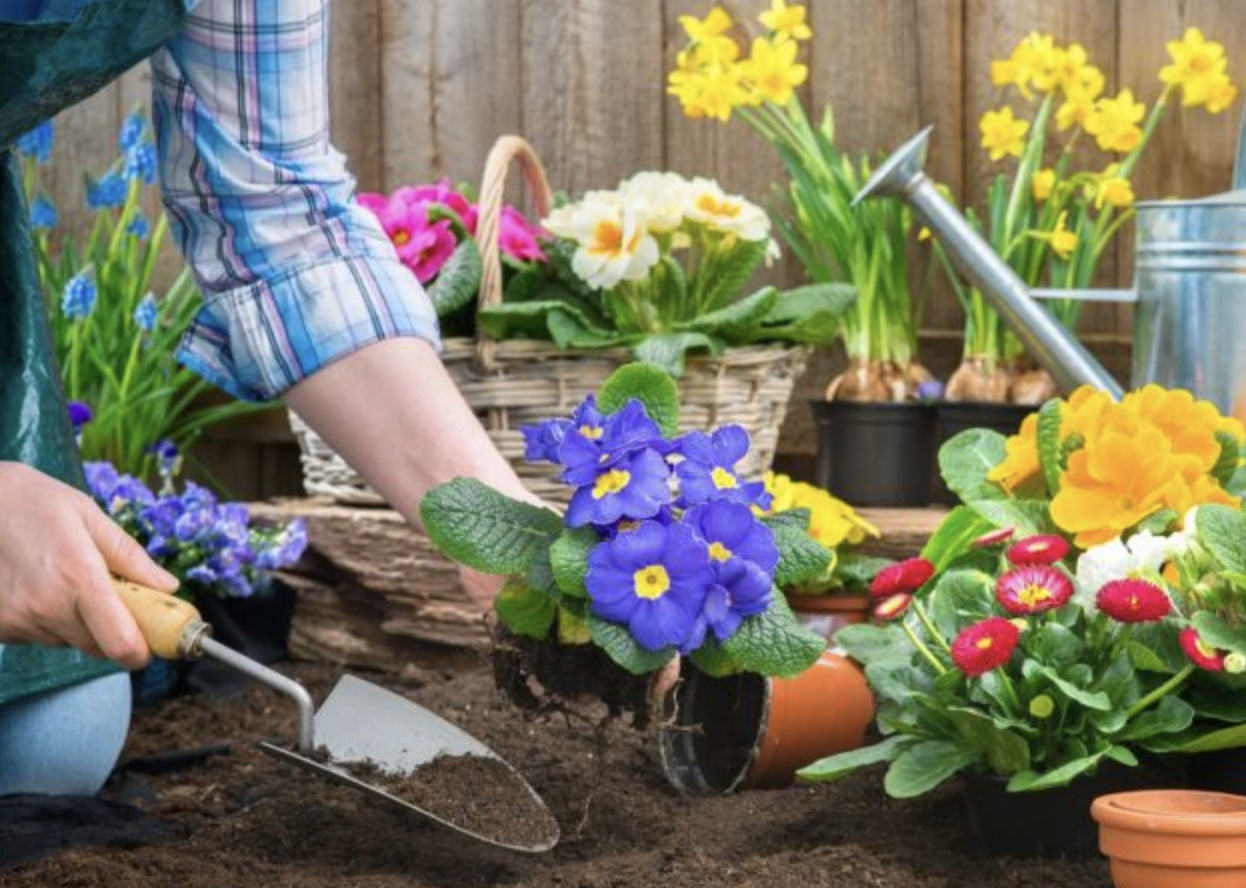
(748,731)
(827,614)
(1170,838)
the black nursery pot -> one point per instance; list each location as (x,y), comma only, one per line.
(875,454)
(1220,771)
(1054,822)
(954,417)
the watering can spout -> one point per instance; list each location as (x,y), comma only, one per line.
(1057,351)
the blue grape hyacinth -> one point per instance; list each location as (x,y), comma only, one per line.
(146,313)
(42,213)
(37,143)
(106,192)
(78,300)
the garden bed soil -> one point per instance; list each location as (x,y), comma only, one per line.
(247,819)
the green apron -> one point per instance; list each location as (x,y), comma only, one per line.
(48,66)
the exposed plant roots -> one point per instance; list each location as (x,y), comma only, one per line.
(877,381)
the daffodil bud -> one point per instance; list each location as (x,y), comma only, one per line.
(1235,663)
(1042,706)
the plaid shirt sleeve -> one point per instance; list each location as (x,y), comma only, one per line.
(294,273)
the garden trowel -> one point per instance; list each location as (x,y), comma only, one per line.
(359,722)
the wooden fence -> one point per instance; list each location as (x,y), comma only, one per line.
(421,88)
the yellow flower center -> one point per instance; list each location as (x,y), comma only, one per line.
(984,644)
(626,525)
(1204,648)
(719,552)
(607,238)
(724,480)
(593,433)
(1033,595)
(651,582)
(610,482)
(401,237)
(708,203)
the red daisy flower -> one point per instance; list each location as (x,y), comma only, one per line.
(893,607)
(994,538)
(1032,589)
(1042,549)
(906,576)
(985,646)
(1134,601)
(1201,654)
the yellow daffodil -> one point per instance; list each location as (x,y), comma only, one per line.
(1199,70)
(1045,61)
(1043,183)
(1032,63)
(708,84)
(1112,189)
(1069,65)
(706,30)
(772,70)
(1114,122)
(924,234)
(786,22)
(1080,96)
(1002,133)
(1063,241)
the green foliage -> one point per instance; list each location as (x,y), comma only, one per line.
(651,386)
(954,537)
(841,765)
(485,530)
(525,611)
(1223,531)
(458,281)
(1050,450)
(924,766)
(965,461)
(569,559)
(619,645)
(774,643)
(802,559)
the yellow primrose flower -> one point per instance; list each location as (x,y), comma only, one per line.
(1114,122)
(832,522)
(1113,190)
(773,71)
(786,21)
(1043,183)
(1198,69)
(1189,423)
(1002,133)
(1021,461)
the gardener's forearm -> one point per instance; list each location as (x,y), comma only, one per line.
(393,412)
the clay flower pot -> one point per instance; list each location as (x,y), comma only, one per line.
(826,614)
(1169,838)
(748,731)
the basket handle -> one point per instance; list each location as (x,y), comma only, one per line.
(489,223)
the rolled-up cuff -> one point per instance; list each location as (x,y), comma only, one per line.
(259,340)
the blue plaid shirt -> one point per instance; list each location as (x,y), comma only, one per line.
(294,273)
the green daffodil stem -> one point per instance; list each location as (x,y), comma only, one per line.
(922,649)
(1161,692)
(930,626)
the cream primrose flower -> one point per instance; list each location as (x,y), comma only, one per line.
(1142,556)
(663,198)
(614,243)
(709,205)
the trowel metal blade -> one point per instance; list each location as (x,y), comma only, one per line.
(361,722)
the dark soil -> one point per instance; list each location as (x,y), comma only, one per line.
(245,819)
(480,795)
(545,678)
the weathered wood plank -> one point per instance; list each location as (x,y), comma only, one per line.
(593,88)
(356,124)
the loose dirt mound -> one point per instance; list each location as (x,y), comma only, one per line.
(248,820)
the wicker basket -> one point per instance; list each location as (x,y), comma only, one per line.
(515,383)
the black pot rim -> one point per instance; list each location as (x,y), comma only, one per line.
(823,407)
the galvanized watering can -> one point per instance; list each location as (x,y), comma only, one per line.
(1189,286)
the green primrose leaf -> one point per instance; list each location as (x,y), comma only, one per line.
(1050,452)
(620,647)
(524,610)
(568,558)
(573,628)
(1199,740)
(806,315)
(651,386)
(1223,531)
(1230,458)
(1213,629)
(773,643)
(734,321)
(729,275)
(1170,716)
(1005,751)
(953,537)
(875,644)
(715,662)
(797,518)
(485,530)
(458,280)
(1028,517)
(1158,522)
(923,766)
(802,559)
(669,351)
(965,461)
(1031,781)
(1096,700)
(834,767)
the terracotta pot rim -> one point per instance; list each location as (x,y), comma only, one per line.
(1156,811)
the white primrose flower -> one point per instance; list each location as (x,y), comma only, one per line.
(661,197)
(613,242)
(728,213)
(1142,556)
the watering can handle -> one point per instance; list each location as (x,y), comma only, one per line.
(171,625)
(1239,165)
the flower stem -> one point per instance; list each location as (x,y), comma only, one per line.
(1162,691)
(1011,692)
(922,649)
(930,626)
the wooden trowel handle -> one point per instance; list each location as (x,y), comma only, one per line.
(171,625)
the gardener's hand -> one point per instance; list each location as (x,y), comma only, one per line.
(57,549)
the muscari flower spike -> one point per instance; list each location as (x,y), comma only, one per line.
(132,130)
(139,227)
(1033,589)
(707,471)
(140,163)
(42,214)
(78,300)
(79,415)
(108,191)
(37,143)
(654,580)
(146,313)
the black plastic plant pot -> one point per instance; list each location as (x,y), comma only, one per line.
(954,417)
(1220,771)
(1050,823)
(875,454)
